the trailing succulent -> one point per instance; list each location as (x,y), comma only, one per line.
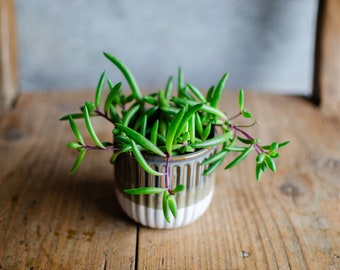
(165,124)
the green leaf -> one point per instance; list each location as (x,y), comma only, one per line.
(241,100)
(172,205)
(273,147)
(154,132)
(91,129)
(246,114)
(130,114)
(199,126)
(128,76)
(210,93)
(258,171)
(113,95)
(141,160)
(191,128)
(172,130)
(235,148)
(143,125)
(141,140)
(197,93)
(99,90)
(246,141)
(178,188)
(214,141)
(166,206)
(180,83)
(284,144)
(271,163)
(205,107)
(186,118)
(267,147)
(163,102)
(74,145)
(79,159)
(75,130)
(216,157)
(74,116)
(213,167)
(206,131)
(260,158)
(151,100)
(144,190)
(168,88)
(239,158)
(218,91)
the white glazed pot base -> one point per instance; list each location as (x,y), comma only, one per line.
(154,218)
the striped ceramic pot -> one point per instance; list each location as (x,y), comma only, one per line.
(184,169)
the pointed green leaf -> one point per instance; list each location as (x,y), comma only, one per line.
(213,141)
(141,140)
(218,91)
(197,93)
(258,171)
(130,114)
(172,205)
(178,188)
(128,76)
(246,114)
(168,88)
(141,160)
(216,157)
(240,157)
(241,100)
(75,130)
(271,163)
(79,159)
(172,129)
(91,129)
(166,206)
(186,117)
(212,167)
(144,190)
(99,90)
(154,132)
(113,95)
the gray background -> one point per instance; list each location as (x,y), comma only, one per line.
(264,44)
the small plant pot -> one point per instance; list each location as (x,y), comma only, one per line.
(184,169)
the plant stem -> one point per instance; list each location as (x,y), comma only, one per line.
(103,115)
(90,147)
(167,174)
(257,147)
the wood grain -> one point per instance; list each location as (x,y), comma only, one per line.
(50,220)
(8,55)
(289,220)
(327,68)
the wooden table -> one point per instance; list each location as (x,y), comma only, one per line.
(51,220)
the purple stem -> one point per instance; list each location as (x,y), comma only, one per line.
(258,148)
(103,115)
(167,173)
(89,147)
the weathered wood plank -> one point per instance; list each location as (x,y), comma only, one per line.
(327,69)
(48,219)
(8,55)
(290,220)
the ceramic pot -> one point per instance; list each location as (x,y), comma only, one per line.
(184,169)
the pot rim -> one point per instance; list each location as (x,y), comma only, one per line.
(180,157)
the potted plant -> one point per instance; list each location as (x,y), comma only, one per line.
(166,146)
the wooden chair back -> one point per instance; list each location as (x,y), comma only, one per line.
(326,91)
